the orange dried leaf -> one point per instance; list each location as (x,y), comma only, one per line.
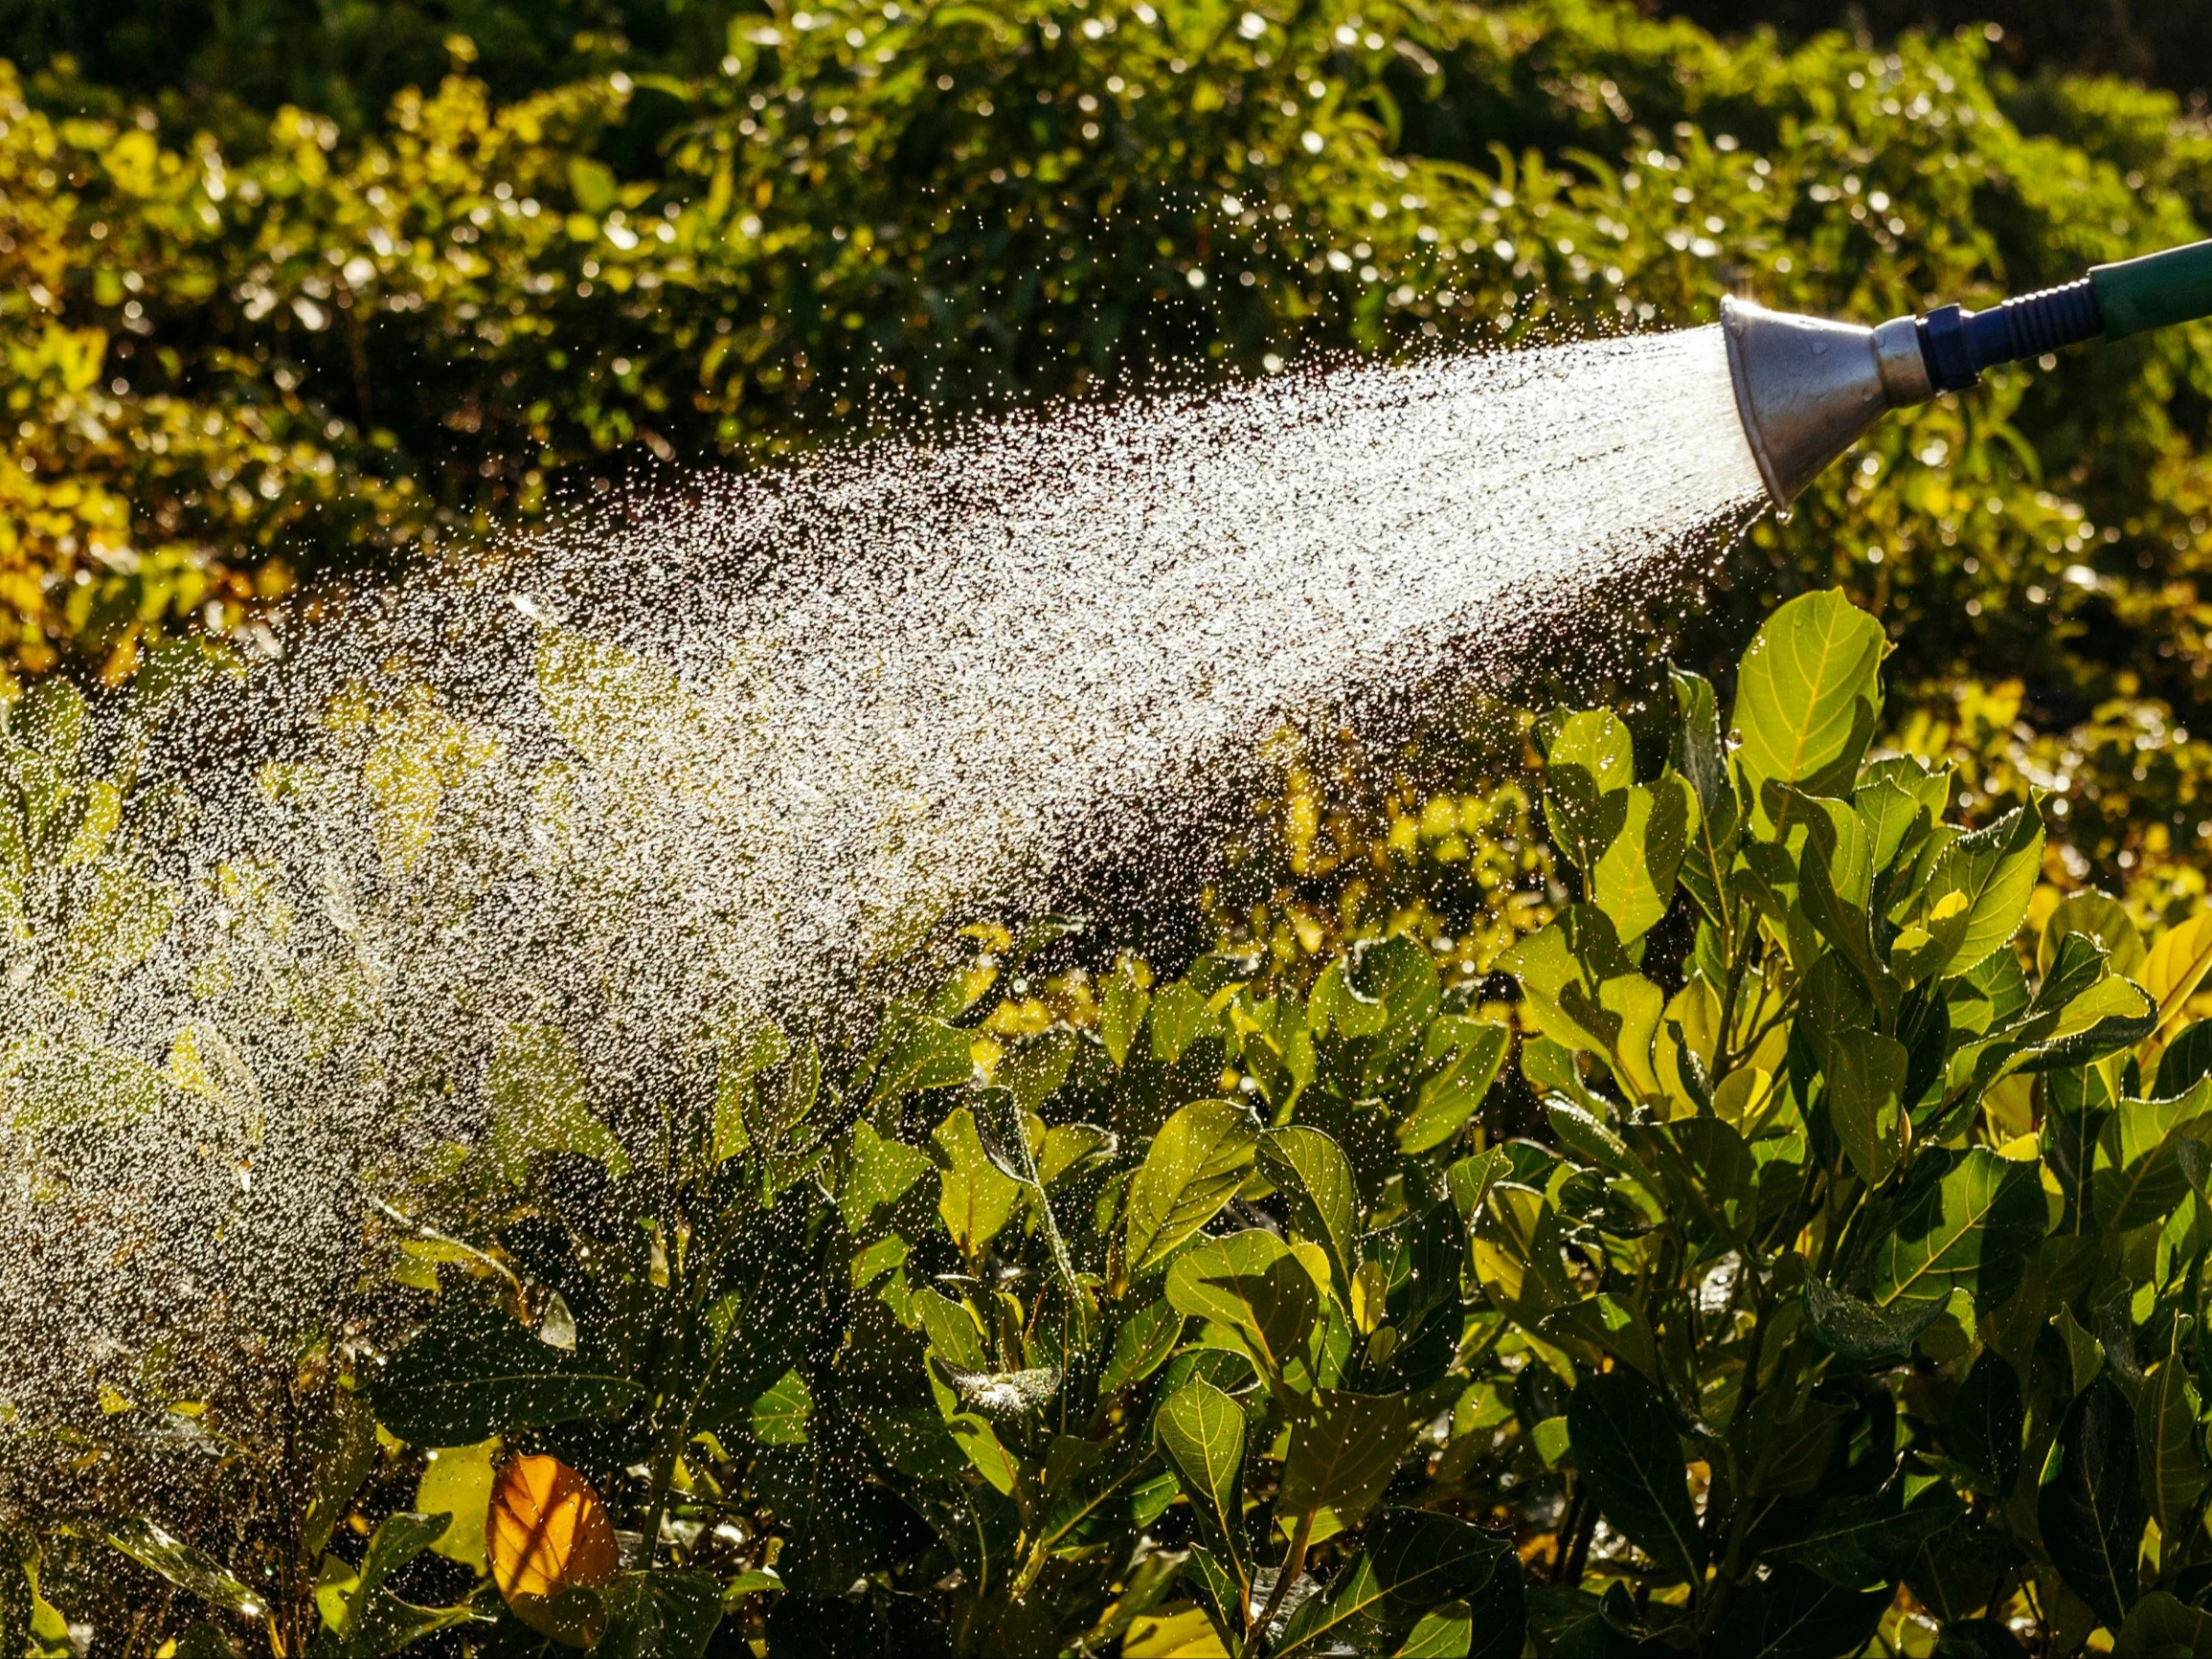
(552,1549)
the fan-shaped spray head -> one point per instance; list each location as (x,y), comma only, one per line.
(1808,389)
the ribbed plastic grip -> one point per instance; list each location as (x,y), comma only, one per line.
(1958,344)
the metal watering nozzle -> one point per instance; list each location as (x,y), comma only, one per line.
(1807,388)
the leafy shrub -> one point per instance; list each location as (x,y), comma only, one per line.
(1852,1278)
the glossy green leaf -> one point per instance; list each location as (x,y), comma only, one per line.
(472,1373)
(1314,1182)
(1631,1460)
(158,1550)
(1193,1168)
(1141,1344)
(1807,693)
(1978,893)
(1461,1059)
(1969,1222)
(2092,1506)
(975,1197)
(1254,1283)
(877,1173)
(2173,1473)
(1342,1454)
(1633,883)
(1201,1433)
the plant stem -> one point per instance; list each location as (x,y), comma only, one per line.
(1293,1562)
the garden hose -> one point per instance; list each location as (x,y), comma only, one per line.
(1807,388)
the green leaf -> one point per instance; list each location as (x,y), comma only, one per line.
(1634,880)
(1703,760)
(1793,1613)
(663,1614)
(472,1373)
(1808,694)
(1193,1167)
(1866,1542)
(877,1173)
(535,1087)
(1976,895)
(592,184)
(781,1415)
(2174,1474)
(1631,1460)
(977,1198)
(1179,1017)
(1861,1333)
(1967,1221)
(2102,919)
(1343,1453)
(1123,1010)
(912,1053)
(748,1048)
(1255,1284)
(457,1483)
(1414,1561)
(160,1551)
(984,1450)
(1866,1075)
(376,1622)
(2092,1506)
(1141,1345)
(1588,774)
(2161,1625)
(1460,1058)
(1201,1433)
(1314,1178)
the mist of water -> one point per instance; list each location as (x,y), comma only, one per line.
(717,756)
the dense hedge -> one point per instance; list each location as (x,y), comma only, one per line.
(276,346)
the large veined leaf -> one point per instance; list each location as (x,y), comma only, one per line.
(1866,1075)
(1460,1058)
(1866,1542)
(1634,882)
(1314,1179)
(2091,1505)
(877,1173)
(472,1373)
(1969,1220)
(1260,1288)
(1631,1460)
(1588,773)
(1201,1433)
(662,1614)
(2137,1169)
(1808,694)
(1141,1345)
(1413,1561)
(1792,1612)
(1859,1332)
(2101,918)
(2161,1625)
(2173,1472)
(1978,893)
(371,1620)
(975,1197)
(1194,1166)
(1344,1452)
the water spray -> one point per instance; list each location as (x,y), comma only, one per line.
(1807,388)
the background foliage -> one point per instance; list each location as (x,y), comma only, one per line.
(293,296)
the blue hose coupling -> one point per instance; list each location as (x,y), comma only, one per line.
(1958,344)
